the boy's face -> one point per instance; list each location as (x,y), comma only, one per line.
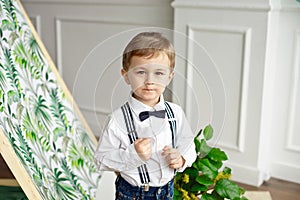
(148,77)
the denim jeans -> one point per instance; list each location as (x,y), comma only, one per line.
(126,191)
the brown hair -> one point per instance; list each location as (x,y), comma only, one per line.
(148,44)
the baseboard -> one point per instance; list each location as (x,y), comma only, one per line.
(286,172)
(247,175)
(8,182)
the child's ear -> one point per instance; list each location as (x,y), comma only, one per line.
(125,76)
(170,77)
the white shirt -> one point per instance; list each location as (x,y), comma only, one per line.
(115,152)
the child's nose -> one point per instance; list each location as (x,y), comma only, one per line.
(149,79)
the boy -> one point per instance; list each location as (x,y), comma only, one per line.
(146,140)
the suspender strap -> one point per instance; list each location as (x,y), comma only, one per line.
(143,172)
(129,122)
(172,122)
(132,134)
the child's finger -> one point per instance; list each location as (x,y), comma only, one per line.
(142,141)
(166,150)
(143,148)
(173,156)
(137,140)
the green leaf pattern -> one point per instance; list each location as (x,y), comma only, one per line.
(38,120)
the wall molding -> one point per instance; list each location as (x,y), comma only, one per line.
(217,4)
(254,175)
(293,96)
(286,171)
(214,4)
(58,24)
(95,116)
(290,6)
(95,110)
(102,2)
(235,5)
(290,9)
(98,20)
(246,33)
(36,22)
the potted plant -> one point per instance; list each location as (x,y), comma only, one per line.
(207,179)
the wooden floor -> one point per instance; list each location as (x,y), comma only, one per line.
(279,189)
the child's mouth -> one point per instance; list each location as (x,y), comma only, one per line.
(149,90)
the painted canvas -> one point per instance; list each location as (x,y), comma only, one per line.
(43,136)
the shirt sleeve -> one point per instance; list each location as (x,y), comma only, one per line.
(113,153)
(185,140)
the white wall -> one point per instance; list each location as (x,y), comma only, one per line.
(234,36)
(248,86)
(285,95)
(254,46)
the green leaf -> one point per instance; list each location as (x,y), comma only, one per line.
(207,196)
(207,168)
(6,25)
(58,132)
(217,164)
(217,155)
(12,96)
(204,180)
(227,189)
(216,195)
(44,143)
(197,144)
(192,172)
(208,132)
(177,194)
(227,170)
(31,136)
(178,176)
(204,148)
(195,165)
(198,187)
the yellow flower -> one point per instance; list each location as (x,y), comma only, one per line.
(221,175)
(185,194)
(193,197)
(186,178)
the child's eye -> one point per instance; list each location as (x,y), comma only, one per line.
(159,73)
(140,72)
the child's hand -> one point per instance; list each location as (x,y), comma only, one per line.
(173,157)
(143,148)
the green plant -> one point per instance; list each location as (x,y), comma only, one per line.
(206,179)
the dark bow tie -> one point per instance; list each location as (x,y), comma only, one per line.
(145,114)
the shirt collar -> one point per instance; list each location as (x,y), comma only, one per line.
(138,106)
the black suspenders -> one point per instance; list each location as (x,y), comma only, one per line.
(172,122)
(132,134)
(143,172)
